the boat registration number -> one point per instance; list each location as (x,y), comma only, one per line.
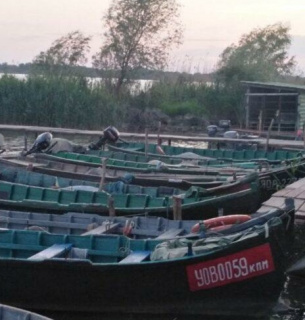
(232,268)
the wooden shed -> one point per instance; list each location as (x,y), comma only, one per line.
(283,102)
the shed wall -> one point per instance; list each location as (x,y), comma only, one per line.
(301,109)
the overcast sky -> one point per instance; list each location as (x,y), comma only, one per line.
(28,27)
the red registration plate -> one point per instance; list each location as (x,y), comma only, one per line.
(232,268)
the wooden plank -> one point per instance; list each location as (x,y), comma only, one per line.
(136,256)
(275,202)
(299,205)
(171,233)
(294,193)
(63,131)
(52,252)
(282,192)
(104,228)
(301,195)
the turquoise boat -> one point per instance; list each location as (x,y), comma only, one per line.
(146,167)
(12,313)
(138,148)
(33,191)
(74,169)
(242,272)
(271,179)
(137,227)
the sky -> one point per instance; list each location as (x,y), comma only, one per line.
(28,27)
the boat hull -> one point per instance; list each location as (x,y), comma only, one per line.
(164,287)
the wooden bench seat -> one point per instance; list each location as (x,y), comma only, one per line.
(136,256)
(54,251)
(104,228)
(171,233)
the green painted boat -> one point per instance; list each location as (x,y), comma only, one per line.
(146,167)
(271,178)
(188,160)
(226,155)
(233,275)
(138,227)
(81,171)
(33,191)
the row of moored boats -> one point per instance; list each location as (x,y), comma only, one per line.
(137,228)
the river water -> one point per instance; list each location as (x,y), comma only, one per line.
(293,293)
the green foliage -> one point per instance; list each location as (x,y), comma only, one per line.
(176,108)
(175,97)
(139,34)
(260,55)
(65,52)
(57,101)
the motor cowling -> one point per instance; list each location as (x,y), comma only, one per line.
(110,135)
(212,130)
(41,143)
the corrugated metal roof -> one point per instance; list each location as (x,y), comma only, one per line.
(275,85)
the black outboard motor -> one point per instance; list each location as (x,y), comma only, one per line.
(212,130)
(224,125)
(42,142)
(110,135)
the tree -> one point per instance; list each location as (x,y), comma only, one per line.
(139,34)
(69,50)
(261,55)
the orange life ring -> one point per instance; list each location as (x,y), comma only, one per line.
(221,222)
(127,229)
(220,228)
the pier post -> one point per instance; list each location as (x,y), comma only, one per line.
(177,208)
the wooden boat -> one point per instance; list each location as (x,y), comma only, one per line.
(33,191)
(229,155)
(233,275)
(272,179)
(144,167)
(81,171)
(11,173)
(12,313)
(138,227)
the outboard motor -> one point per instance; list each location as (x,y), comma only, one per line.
(212,130)
(110,134)
(42,142)
(224,125)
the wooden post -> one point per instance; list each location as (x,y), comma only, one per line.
(111,206)
(247,107)
(25,141)
(268,134)
(269,130)
(260,122)
(104,161)
(159,142)
(177,208)
(304,135)
(146,142)
(279,115)
(220,212)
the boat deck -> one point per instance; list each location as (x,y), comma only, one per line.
(296,191)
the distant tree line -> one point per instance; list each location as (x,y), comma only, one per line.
(138,74)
